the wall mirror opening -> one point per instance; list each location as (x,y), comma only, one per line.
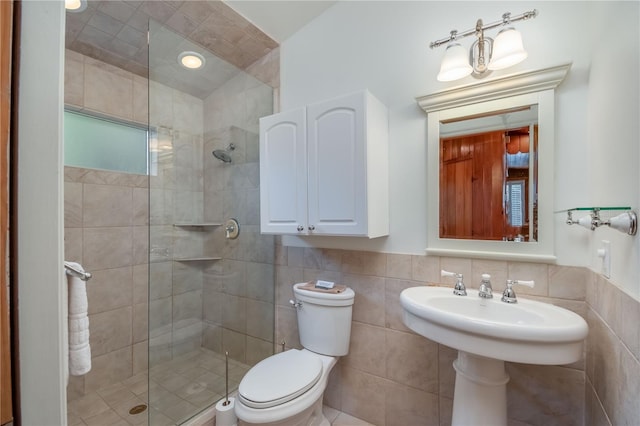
(488,176)
(490,148)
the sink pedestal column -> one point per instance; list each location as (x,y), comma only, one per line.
(480,396)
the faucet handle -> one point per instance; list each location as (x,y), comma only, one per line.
(509,296)
(459,289)
(444,273)
(529,283)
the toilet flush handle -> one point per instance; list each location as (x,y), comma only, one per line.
(295,303)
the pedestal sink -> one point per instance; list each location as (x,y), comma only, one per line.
(486,333)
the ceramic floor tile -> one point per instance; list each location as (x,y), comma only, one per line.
(330,413)
(114,394)
(174,390)
(162,400)
(215,365)
(123,408)
(106,418)
(88,405)
(180,411)
(195,372)
(347,420)
(198,395)
(74,420)
(174,382)
(156,418)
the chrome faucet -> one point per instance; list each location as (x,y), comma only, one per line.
(485,291)
(509,296)
(458,289)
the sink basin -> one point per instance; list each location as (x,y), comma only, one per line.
(486,333)
(528,331)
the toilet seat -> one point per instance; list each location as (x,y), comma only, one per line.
(280,378)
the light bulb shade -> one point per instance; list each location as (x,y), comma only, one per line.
(507,49)
(455,63)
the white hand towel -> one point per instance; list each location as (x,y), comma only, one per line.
(80,361)
(79,349)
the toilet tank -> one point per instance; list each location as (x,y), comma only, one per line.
(324,320)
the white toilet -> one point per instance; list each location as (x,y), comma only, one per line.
(287,388)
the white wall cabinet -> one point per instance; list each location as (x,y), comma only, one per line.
(324,169)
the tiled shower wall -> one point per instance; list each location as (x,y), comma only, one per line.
(106,229)
(393,376)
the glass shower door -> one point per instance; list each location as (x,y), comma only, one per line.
(208,295)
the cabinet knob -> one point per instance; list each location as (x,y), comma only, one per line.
(300,228)
(311,228)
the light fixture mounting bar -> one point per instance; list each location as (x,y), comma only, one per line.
(506,19)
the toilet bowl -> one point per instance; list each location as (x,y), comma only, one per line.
(287,388)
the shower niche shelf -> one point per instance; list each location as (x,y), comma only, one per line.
(197,225)
(197,259)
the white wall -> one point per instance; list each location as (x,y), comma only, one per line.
(613,123)
(383,46)
(41,287)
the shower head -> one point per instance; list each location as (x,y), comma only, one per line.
(224,155)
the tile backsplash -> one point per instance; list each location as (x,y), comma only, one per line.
(392,376)
(613,354)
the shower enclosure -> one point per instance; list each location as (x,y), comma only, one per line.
(209,295)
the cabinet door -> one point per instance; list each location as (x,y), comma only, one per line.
(337,192)
(283,173)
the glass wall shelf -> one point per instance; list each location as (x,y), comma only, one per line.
(576,209)
(623,219)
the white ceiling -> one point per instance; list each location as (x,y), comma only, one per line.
(280,19)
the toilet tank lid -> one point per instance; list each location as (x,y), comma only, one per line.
(280,378)
(328,299)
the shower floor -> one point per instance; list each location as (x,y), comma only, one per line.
(174,391)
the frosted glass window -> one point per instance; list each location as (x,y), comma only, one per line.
(96,143)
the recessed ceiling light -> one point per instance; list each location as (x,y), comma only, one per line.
(191,60)
(75,5)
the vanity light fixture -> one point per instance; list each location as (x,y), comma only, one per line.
(191,60)
(75,5)
(486,54)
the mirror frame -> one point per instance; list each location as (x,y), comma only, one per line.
(527,88)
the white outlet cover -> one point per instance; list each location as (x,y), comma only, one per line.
(605,254)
